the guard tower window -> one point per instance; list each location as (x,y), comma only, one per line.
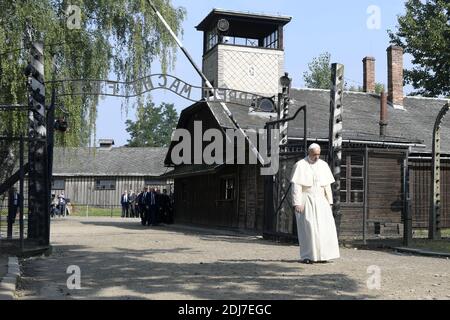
(243,29)
(271,41)
(212,38)
(248,42)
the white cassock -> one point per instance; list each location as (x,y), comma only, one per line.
(311,187)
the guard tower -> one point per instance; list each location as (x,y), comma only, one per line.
(244,51)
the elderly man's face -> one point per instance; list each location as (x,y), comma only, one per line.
(314,155)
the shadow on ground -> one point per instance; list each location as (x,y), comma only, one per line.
(132,274)
(204,233)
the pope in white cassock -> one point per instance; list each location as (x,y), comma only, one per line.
(312,199)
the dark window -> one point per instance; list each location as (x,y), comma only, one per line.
(211,39)
(105,184)
(238,41)
(271,41)
(58,184)
(227,189)
(183,191)
(343,184)
(153,183)
(352,178)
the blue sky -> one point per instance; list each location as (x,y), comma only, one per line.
(339,27)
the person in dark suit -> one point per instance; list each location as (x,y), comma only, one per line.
(132,203)
(153,203)
(166,207)
(145,207)
(62,204)
(140,205)
(13,208)
(124,201)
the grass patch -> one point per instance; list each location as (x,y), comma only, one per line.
(422,233)
(96,212)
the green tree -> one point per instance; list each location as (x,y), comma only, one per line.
(424,33)
(153,127)
(379,87)
(120,37)
(319,74)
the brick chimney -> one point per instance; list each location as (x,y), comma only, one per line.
(395,75)
(369,74)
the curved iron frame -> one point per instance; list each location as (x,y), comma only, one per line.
(434,231)
(128,90)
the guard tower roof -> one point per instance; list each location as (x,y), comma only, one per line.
(253,25)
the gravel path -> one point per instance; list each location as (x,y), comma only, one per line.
(3,266)
(120,259)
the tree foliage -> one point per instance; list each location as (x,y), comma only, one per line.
(319,74)
(119,37)
(379,87)
(424,32)
(153,127)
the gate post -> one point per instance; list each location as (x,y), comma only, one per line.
(434,229)
(284,223)
(335,137)
(38,204)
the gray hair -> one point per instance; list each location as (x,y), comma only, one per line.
(314,146)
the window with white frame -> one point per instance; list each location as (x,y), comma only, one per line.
(105,184)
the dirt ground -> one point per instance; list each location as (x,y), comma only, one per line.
(3,266)
(120,259)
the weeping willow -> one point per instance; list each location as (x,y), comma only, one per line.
(119,37)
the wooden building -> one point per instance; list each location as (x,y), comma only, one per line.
(98,176)
(382,146)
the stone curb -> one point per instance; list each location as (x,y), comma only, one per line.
(422,252)
(9,282)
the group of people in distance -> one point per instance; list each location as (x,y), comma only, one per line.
(58,205)
(152,206)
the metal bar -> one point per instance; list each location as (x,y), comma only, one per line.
(335,136)
(121,89)
(28,139)
(38,194)
(388,144)
(366,193)
(407,218)
(271,123)
(427,158)
(21,191)
(434,231)
(11,181)
(283,199)
(208,84)
(13,106)
(50,147)
(305,132)
(174,36)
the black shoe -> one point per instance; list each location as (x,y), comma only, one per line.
(306,261)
